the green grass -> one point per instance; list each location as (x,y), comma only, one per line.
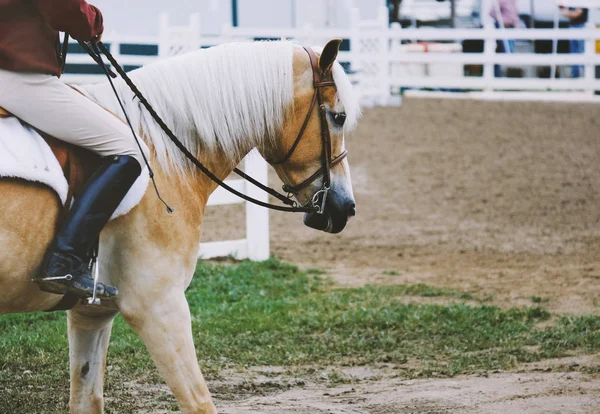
(271,313)
(539,299)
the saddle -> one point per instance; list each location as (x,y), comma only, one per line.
(77,163)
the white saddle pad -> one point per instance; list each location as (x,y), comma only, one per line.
(24,154)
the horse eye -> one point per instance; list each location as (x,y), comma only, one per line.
(339,118)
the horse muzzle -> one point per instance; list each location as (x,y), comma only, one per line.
(336,214)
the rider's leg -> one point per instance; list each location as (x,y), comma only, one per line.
(68,254)
(48,104)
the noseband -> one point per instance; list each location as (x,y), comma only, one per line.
(320,197)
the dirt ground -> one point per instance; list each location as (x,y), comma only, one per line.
(548,387)
(534,391)
(497,198)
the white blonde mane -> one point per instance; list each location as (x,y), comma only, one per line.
(229,98)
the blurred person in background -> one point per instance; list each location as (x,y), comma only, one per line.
(508,18)
(578,17)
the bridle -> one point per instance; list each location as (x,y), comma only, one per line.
(316,204)
(326,161)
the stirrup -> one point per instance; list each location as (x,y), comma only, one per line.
(82,287)
(75,279)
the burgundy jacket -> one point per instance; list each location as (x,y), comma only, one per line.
(29,32)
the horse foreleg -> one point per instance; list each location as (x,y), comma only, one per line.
(88,343)
(164,324)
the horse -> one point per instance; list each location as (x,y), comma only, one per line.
(221,102)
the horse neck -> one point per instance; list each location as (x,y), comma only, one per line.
(190,192)
(220,165)
(176,235)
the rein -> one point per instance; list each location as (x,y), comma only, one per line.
(317,201)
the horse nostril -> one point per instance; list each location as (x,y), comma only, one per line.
(352,210)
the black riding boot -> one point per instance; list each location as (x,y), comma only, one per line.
(66,266)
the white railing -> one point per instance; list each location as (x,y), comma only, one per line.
(256,244)
(489,58)
(114,40)
(381,64)
(433,9)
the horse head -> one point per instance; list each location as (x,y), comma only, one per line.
(310,156)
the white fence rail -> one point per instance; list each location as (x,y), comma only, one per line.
(380,63)
(379,59)
(434,10)
(256,244)
(488,82)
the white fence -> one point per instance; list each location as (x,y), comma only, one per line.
(586,85)
(379,60)
(434,10)
(256,244)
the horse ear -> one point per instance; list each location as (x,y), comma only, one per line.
(330,52)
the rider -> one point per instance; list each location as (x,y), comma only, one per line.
(30,66)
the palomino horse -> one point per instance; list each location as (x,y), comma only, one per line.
(221,102)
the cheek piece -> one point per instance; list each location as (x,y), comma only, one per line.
(317,201)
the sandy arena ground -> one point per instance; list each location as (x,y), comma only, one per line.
(494,198)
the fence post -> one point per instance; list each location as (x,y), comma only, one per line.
(163,36)
(489,55)
(195,31)
(115,47)
(384,56)
(257,218)
(305,35)
(590,53)
(226,33)
(355,64)
(395,67)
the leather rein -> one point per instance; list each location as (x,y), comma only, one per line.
(315,204)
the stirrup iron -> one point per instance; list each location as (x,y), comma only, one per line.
(65,277)
(94,300)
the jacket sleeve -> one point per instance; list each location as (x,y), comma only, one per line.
(82,20)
